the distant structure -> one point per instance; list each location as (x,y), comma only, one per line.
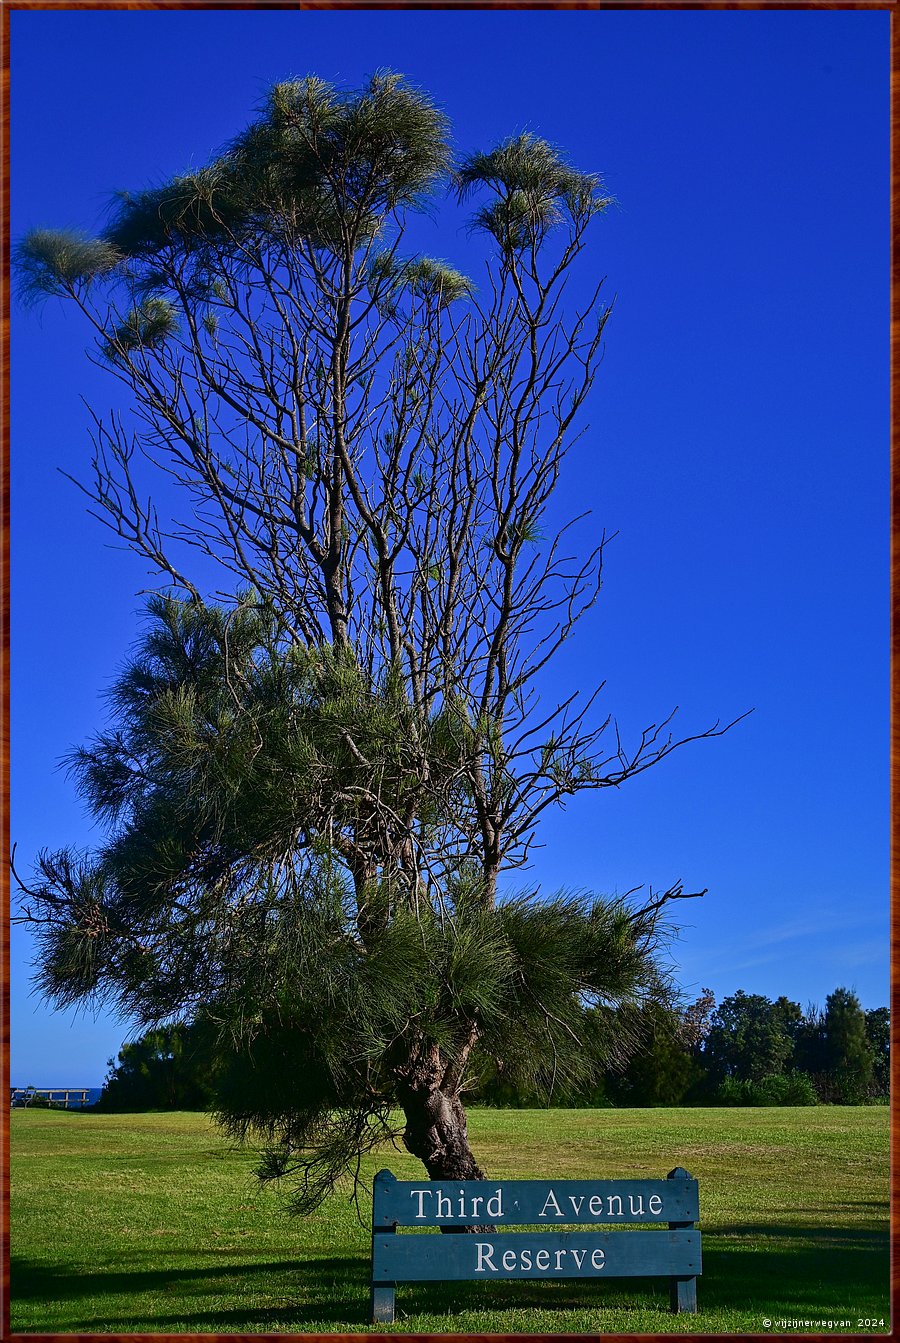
(56,1098)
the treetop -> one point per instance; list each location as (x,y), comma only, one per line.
(325,169)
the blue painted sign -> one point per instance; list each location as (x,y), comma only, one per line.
(569,1247)
(533,1202)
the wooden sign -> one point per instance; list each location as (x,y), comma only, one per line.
(570,1247)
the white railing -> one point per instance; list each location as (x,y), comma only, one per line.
(62,1098)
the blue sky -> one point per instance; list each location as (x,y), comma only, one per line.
(737,443)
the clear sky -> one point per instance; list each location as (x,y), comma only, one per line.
(738,437)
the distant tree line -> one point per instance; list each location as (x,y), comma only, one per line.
(747,1050)
(170,1068)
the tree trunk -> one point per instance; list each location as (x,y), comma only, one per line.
(436,1133)
(436,1130)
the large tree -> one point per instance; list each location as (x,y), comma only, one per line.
(169,1068)
(849,1056)
(878,1034)
(313,785)
(751,1037)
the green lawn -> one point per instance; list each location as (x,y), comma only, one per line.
(151,1223)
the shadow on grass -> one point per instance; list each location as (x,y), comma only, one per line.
(799,1269)
(747,1267)
(326,1289)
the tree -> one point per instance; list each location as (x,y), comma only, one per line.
(751,1037)
(663,1069)
(166,1069)
(809,1047)
(878,1034)
(848,1053)
(319,772)
(696,1020)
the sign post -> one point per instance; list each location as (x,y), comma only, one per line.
(566,1243)
(382,1294)
(682,1291)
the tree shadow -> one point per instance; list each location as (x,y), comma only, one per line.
(808,1270)
(775,1269)
(327,1289)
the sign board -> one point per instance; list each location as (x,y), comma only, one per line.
(569,1247)
(533,1202)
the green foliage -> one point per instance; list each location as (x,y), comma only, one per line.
(573,962)
(388,143)
(829,1051)
(237,762)
(54,262)
(534,189)
(169,1068)
(849,1055)
(151,323)
(423,277)
(227,741)
(776,1089)
(188,210)
(878,1034)
(317,165)
(429,278)
(662,1070)
(526,973)
(750,1037)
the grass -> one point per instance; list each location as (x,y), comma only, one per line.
(151,1223)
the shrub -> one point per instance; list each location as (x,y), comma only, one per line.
(775,1089)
